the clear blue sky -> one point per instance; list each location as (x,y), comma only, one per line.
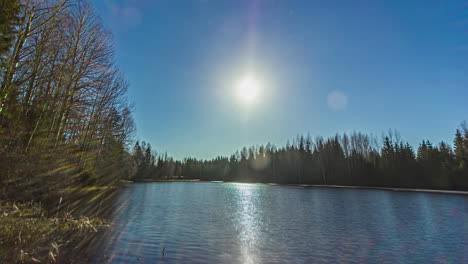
(392,64)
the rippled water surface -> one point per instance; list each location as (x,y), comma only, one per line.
(258,223)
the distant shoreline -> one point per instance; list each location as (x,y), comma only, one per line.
(310,186)
(386,189)
(174,180)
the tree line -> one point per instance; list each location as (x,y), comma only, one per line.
(64,117)
(150,165)
(355,159)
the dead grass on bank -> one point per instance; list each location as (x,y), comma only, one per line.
(29,235)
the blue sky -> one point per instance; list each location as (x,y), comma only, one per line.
(325,67)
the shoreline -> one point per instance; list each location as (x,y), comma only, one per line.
(386,189)
(175,180)
(310,186)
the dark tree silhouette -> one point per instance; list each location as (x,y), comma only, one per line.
(352,160)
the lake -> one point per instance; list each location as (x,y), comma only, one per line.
(259,223)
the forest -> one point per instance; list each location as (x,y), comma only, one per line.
(356,159)
(65,124)
(64,117)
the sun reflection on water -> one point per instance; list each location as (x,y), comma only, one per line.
(247,221)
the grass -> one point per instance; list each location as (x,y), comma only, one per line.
(125,181)
(29,235)
(90,188)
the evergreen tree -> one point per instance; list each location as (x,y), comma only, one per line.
(342,160)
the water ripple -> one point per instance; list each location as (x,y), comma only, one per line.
(257,223)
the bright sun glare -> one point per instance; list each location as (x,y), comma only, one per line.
(248,90)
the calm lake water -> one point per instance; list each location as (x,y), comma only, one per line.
(258,223)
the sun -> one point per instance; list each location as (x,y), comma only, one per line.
(248,90)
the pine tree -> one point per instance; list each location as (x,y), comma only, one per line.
(460,152)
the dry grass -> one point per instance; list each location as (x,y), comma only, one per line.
(28,235)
